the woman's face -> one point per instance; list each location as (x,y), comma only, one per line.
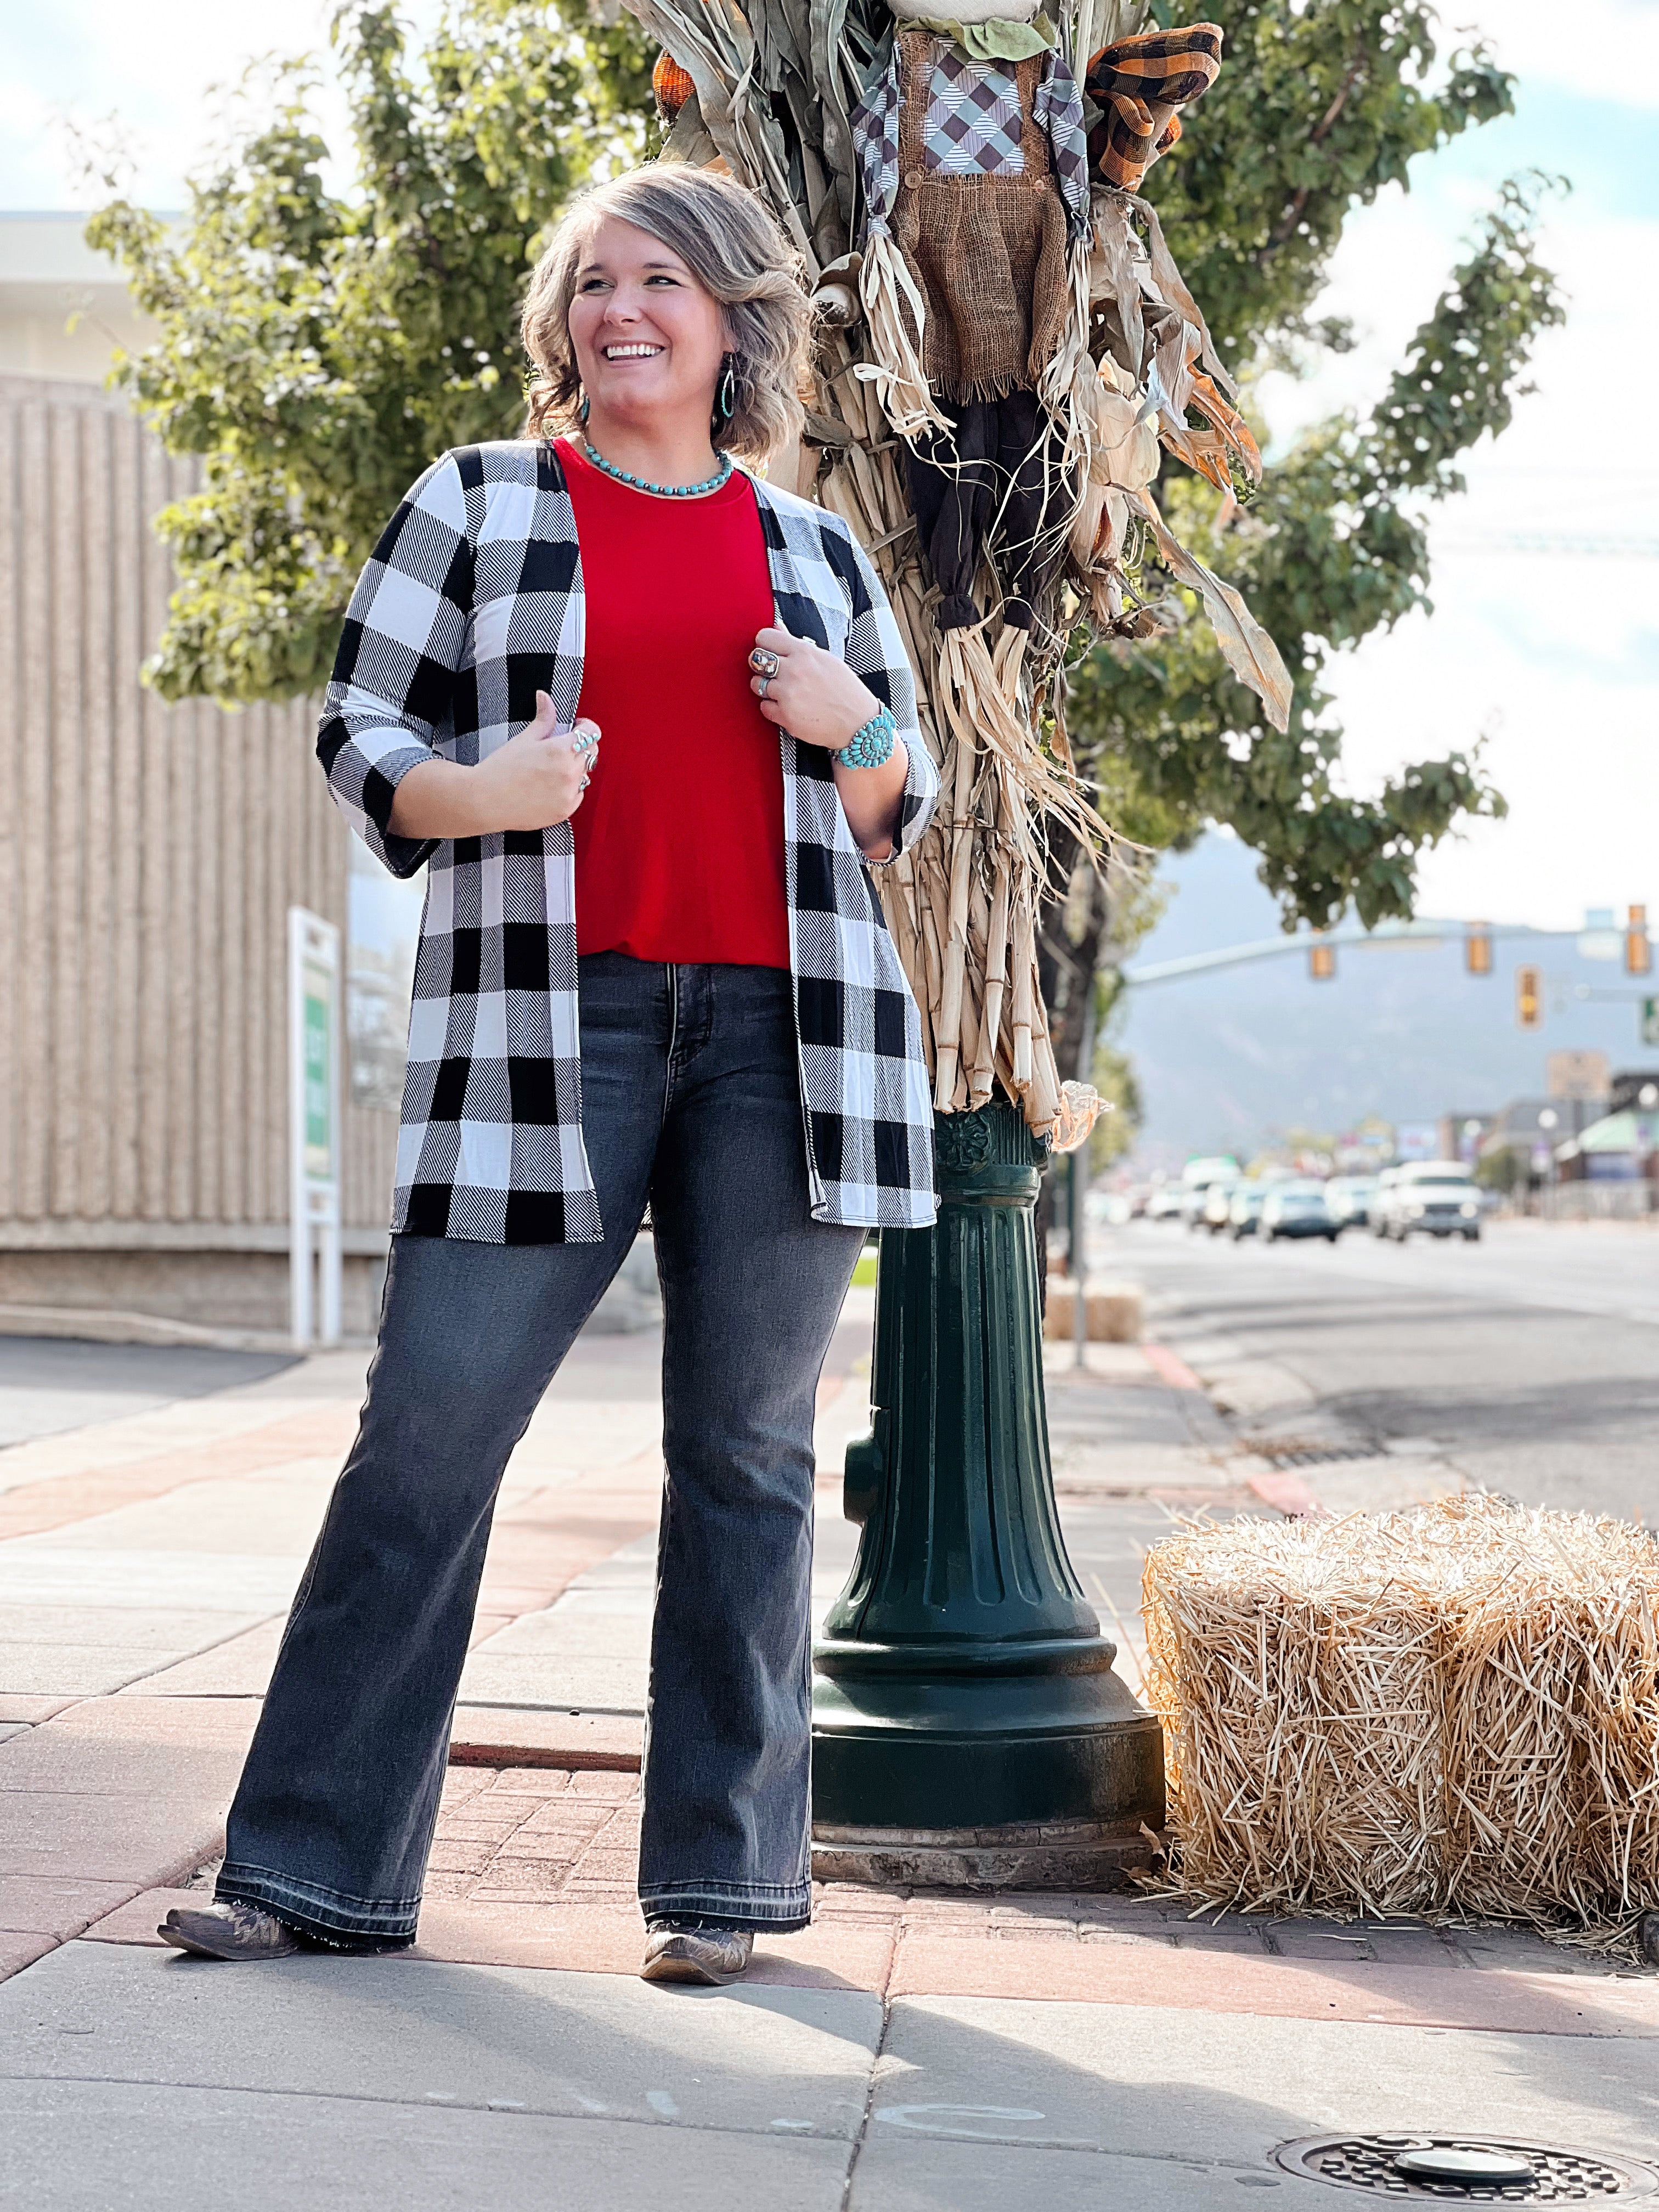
(648,339)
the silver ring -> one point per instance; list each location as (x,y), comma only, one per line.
(764,663)
(765,686)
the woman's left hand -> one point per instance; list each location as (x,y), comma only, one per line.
(814,695)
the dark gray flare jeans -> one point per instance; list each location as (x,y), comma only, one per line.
(691,1098)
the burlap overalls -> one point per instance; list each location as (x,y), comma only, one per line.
(988,250)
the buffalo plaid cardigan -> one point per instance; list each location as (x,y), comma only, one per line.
(470,603)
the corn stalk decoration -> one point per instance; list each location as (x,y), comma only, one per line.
(770,96)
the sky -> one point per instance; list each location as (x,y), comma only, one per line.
(1548,653)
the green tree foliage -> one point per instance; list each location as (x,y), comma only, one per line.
(1504,1171)
(1115,1134)
(1320,103)
(317,351)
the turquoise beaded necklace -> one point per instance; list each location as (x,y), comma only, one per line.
(721,476)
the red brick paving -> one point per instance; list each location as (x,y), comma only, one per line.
(33,1710)
(18,1951)
(34,1905)
(535,1862)
(57,1500)
(535,1866)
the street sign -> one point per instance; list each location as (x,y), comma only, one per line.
(1649,1021)
(1528,998)
(317,1019)
(313,1095)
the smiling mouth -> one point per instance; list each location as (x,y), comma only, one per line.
(632,352)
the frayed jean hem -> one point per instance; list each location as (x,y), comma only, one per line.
(326,1917)
(730,1905)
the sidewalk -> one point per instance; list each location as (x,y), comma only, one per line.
(906,2051)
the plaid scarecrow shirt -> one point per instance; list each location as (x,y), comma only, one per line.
(469,604)
(971,126)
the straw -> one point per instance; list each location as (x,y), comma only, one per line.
(775,87)
(1449,1711)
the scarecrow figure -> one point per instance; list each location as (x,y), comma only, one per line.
(993,288)
(1140,84)
(975,165)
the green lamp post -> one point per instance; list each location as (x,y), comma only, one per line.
(968,1728)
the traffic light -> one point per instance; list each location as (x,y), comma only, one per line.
(1322,961)
(1639,953)
(1528,998)
(1477,948)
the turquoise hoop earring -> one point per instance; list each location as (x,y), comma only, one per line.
(725,397)
(581,412)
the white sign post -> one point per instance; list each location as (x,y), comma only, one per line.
(314,1126)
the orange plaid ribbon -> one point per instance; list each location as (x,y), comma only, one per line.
(1139,83)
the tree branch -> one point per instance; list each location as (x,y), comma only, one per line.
(1286,227)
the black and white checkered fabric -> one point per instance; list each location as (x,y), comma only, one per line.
(1057,107)
(473,603)
(971,130)
(972,123)
(875,143)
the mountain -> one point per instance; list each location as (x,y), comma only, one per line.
(1227,1058)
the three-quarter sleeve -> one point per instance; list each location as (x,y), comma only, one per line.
(875,651)
(392,690)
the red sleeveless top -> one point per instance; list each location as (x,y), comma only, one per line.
(679,839)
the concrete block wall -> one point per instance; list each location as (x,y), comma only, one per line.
(148,855)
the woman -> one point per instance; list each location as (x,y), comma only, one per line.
(651,967)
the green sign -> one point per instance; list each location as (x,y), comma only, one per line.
(319,1089)
(1650,1021)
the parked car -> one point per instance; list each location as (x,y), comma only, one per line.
(1296,1209)
(1164,1204)
(1205,1168)
(1216,1212)
(1378,1210)
(1430,1198)
(1197,1177)
(1350,1199)
(1244,1211)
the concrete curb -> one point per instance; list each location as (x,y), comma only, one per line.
(486,1736)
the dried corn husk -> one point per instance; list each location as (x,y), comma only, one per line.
(897,313)
(775,87)
(1452,1710)
(1245,645)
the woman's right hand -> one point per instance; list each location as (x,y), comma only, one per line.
(531,782)
(538,778)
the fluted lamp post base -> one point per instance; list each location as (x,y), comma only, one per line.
(968,1729)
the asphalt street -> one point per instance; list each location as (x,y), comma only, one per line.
(1530,1360)
(49,1384)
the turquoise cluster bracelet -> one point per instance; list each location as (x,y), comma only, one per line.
(873,745)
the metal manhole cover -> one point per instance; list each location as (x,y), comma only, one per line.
(1396,2165)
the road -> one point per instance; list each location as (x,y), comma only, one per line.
(49,1384)
(1531,1360)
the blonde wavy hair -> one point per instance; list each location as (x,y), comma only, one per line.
(733,246)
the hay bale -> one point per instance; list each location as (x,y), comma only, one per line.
(1451,1710)
(1112,1311)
